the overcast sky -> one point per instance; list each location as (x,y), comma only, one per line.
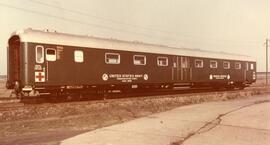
(235,26)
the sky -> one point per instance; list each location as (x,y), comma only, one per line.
(233,26)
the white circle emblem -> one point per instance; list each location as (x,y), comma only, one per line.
(105,77)
(145,77)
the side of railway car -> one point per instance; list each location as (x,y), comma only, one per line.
(36,64)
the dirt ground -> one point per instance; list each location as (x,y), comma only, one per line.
(3,91)
(47,124)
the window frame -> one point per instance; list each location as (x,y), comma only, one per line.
(54,59)
(75,54)
(216,62)
(42,54)
(251,66)
(161,64)
(118,61)
(239,64)
(200,60)
(229,65)
(144,57)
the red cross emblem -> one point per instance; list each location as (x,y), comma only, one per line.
(39,76)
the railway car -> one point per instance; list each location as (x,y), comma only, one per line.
(41,62)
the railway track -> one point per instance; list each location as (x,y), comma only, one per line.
(97,97)
(13,103)
(8,99)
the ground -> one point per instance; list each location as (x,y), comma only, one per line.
(49,123)
(234,122)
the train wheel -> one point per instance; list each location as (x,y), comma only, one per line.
(216,87)
(229,87)
(17,90)
(8,85)
(241,86)
(20,95)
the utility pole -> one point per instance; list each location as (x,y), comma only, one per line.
(266,73)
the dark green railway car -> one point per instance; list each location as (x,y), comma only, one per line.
(50,62)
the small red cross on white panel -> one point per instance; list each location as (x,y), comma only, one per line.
(39,76)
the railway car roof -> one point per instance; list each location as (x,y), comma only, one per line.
(38,36)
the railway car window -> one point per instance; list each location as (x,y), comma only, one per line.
(162,61)
(39,54)
(237,65)
(78,56)
(198,63)
(213,64)
(251,66)
(139,59)
(112,58)
(226,64)
(50,54)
